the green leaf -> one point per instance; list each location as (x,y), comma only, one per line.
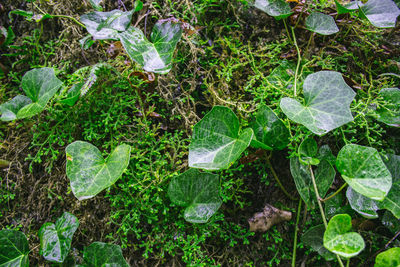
(314,238)
(327,103)
(269,131)
(96,4)
(389,113)
(86,42)
(10,109)
(55,239)
(325,153)
(27,14)
(283,74)
(390,222)
(338,238)
(198,192)
(392,200)
(388,258)
(14,249)
(278,9)
(381,13)
(138,5)
(155,56)
(89,172)
(106,25)
(321,23)
(347,8)
(307,151)
(72,95)
(363,205)
(334,205)
(100,254)
(363,169)
(216,142)
(9,36)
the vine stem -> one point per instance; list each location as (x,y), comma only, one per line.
(287,30)
(334,194)
(295,233)
(60,16)
(321,208)
(298,61)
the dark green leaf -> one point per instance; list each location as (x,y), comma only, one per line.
(381,13)
(269,131)
(325,153)
(363,205)
(314,238)
(27,14)
(307,151)
(86,42)
(389,112)
(333,205)
(10,109)
(89,172)
(347,8)
(388,258)
(14,249)
(198,192)
(327,103)
(392,200)
(283,74)
(96,4)
(216,142)
(8,34)
(72,95)
(321,23)
(391,222)
(55,239)
(278,9)
(100,254)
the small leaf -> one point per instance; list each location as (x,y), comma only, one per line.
(363,205)
(321,23)
(391,222)
(314,238)
(198,192)
(334,205)
(86,42)
(363,169)
(389,113)
(338,238)
(381,13)
(327,103)
(72,95)
(138,5)
(89,172)
(392,200)
(307,151)
(283,74)
(388,258)
(106,25)
(102,254)
(96,4)
(8,34)
(55,239)
(27,14)
(216,142)
(155,56)
(10,109)
(269,131)
(325,153)
(14,249)
(347,8)
(278,9)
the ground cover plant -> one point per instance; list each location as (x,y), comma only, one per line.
(199,133)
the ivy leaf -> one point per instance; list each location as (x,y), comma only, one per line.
(381,13)
(14,249)
(390,222)
(102,254)
(389,113)
(216,142)
(321,23)
(155,56)
(334,205)
(388,258)
(347,8)
(327,103)
(325,153)
(72,95)
(55,239)
(363,205)
(269,131)
(89,172)
(106,25)
(392,200)
(314,238)
(363,169)
(338,238)
(307,151)
(96,4)
(10,109)
(278,9)
(198,192)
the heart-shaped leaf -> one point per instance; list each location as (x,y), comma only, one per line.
(388,258)
(278,9)
(270,132)
(389,112)
(216,142)
(155,56)
(55,239)
(321,23)
(106,25)
(14,249)
(327,103)
(314,238)
(198,192)
(10,109)
(89,172)
(307,151)
(102,254)
(363,169)
(381,13)
(363,205)
(338,238)
(349,7)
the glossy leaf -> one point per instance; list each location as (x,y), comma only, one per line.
(326,106)
(278,9)
(349,7)
(388,258)
(333,205)
(198,192)
(216,142)
(102,254)
(363,205)
(72,95)
(338,238)
(392,200)
(363,169)
(10,109)
(307,151)
(89,172)
(55,239)
(390,222)
(155,56)
(314,238)
(96,4)
(14,249)
(321,23)
(269,131)
(381,13)
(389,113)
(106,25)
